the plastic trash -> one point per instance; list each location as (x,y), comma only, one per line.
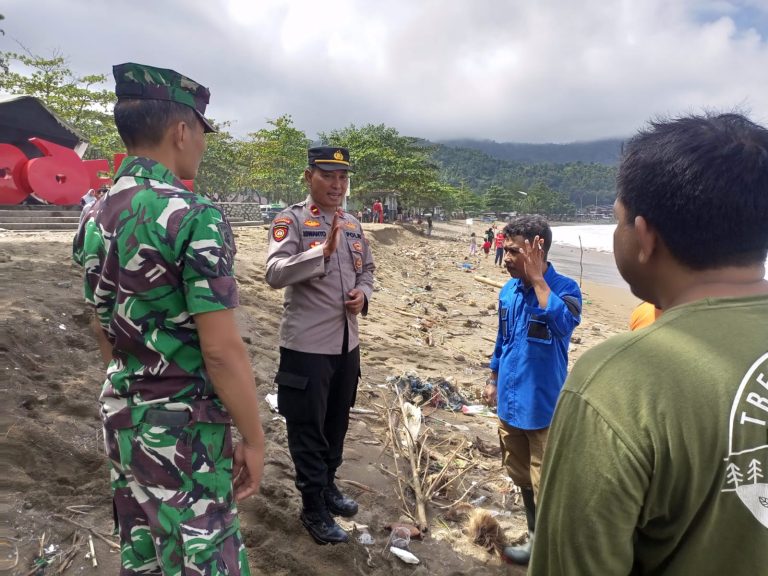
(365,539)
(400,537)
(271,401)
(404,555)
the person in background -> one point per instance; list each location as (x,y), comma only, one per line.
(538,311)
(643,315)
(319,254)
(499,242)
(88,198)
(378,211)
(487,247)
(472,244)
(658,448)
(490,234)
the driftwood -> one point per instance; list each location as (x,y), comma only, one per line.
(410,314)
(489,282)
(357,485)
(421,508)
(112,544)
(420,452)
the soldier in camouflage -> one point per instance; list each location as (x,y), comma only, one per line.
(158,263)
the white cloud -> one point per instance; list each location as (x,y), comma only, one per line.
(553,70)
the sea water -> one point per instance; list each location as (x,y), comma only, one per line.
(593,237)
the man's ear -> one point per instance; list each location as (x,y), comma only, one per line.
(647,240)
(308,175)
(178,133)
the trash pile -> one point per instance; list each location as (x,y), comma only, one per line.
(438,392)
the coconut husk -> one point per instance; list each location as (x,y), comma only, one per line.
(484,530)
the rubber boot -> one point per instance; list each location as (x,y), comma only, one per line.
(318,522)
(522,554)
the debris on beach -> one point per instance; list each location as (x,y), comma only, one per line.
(435,391)
(484,530)
(404,555)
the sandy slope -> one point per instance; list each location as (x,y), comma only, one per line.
(427,316)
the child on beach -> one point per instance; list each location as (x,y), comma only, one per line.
(487,247)
(467,266)
(472,244)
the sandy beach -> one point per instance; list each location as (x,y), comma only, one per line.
(428,317)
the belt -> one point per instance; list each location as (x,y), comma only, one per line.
(170,418)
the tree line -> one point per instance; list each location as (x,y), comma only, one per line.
(268,164)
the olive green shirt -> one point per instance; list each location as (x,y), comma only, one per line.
(658,452)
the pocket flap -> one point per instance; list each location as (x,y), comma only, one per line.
(211,539)
(291,380)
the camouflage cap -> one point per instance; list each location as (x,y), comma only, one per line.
(138,81)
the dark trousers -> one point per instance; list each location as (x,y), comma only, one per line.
(315,393)
(499,259)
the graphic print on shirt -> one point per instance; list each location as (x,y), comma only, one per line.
(747,461)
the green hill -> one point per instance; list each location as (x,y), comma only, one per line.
(595,152)
(583,183)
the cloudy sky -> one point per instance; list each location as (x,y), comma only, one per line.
(508,70)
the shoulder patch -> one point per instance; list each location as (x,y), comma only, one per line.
(282,220)
(279,232)
(357,246)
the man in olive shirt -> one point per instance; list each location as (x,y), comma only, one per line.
(319,254)
(658,451)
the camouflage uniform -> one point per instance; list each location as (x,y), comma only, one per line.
(86,222)
(154,255)
(139,82)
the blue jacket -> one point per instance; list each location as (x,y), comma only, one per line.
(531,354)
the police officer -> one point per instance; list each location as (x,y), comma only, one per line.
(158,271)
(320,255)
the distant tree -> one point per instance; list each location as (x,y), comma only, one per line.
(500,199)
(386,162)
(468,202)
(276,158)
(3,56)
(582,183)
(541,199)
(224,172)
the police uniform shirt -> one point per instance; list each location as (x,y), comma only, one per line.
(313,311)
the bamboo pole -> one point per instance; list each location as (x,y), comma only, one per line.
(489,282)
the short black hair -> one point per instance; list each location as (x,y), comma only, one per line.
(702,183)
(144,122)
(530,226)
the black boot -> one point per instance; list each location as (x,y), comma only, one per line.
(318,521)
(522,554)
(338,504)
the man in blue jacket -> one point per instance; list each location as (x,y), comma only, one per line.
(538,311)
